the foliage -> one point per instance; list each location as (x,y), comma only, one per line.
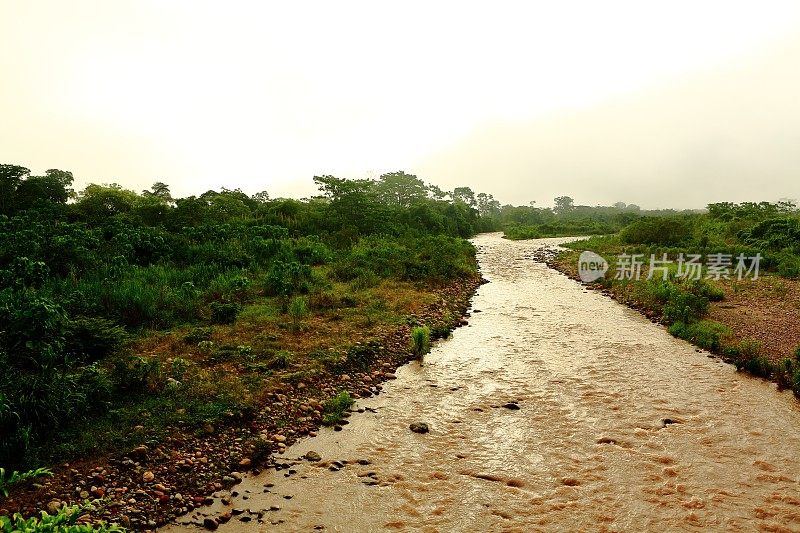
(420,340)
(224,313)
(704,333)
(334,408)
(64,521)
(18,477)
(83,274)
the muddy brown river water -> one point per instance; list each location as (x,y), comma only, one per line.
(619,427)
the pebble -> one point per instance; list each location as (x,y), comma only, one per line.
(419,427)
(313,456)
(148,476)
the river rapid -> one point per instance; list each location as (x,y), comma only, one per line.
(555,409)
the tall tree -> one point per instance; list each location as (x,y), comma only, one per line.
(10,178)
(400,189)
(563,204)
(464,195)
(54,187)
(159,190)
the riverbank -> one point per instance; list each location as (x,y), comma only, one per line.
(287,397)
(555,410)
(752,323)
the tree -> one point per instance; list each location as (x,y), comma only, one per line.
(53,187)
(10,178)
(436,193)
(335,188)
(99,201)
(563,204)
(487,205)
(464,195)
(159,190)
(261,197)
(400,189)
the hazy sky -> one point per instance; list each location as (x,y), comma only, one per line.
(656,103)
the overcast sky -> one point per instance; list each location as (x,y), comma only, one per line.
(663,104)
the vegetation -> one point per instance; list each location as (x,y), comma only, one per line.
(679,297)
(18,477)
(66,520)
(195,286)
(335,408)
(568,219)
(420,340)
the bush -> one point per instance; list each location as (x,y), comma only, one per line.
(197,334)
(298,309)
(420,340)
(138,374)
(757,366)
(18,477)
(288,278)
(789,266)
(281,360)
(684,307)
(784,371)
(64,521)
(93,339)
(334,409)
(224,313)
(669,231)
(705,333)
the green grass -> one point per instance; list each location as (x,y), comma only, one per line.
(282,359)
(7,480)
(64,521)
(420,340)
(704,333)
(334,408)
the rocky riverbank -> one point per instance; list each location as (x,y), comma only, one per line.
(156,482)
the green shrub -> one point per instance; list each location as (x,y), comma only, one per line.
(705,333)
(784,371)
(298,309)
(669,231)
(757,366)
(224,313)
(138,374)
(6,480)
(334,408)
(420,340)
(704,289)
(64,521)
(93,338)
(288,278)
(748,348)
(282,359)
(796,382)
(684,307)
(197,334)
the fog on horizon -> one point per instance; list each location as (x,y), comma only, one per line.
(671,105)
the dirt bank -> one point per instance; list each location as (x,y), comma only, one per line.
(158,481)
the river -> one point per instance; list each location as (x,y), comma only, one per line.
(555,409)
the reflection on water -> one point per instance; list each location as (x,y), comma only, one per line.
(619,427)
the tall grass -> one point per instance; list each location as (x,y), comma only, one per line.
(420,340)
(335,407)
